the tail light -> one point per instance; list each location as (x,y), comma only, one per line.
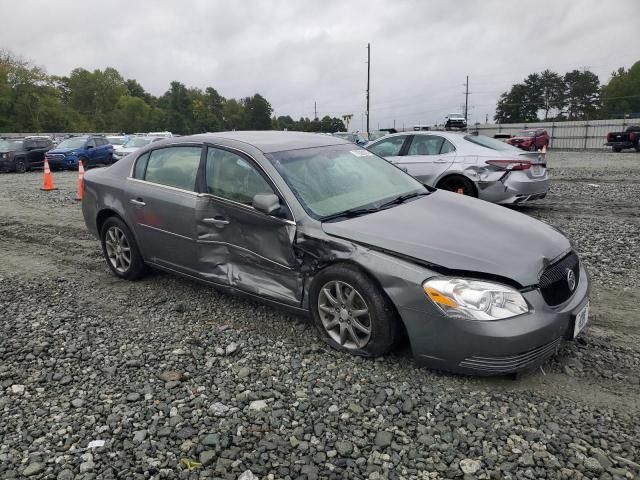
(510,164)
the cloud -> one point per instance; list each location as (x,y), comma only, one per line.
(299,52)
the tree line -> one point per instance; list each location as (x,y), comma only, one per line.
(576,95)
(103,101)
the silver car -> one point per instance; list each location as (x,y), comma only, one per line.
(470,164)
(325,228)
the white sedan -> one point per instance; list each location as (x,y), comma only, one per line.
(465,163)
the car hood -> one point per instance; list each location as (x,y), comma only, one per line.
(459,233)
(64,150)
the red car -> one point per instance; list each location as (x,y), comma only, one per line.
(531,140)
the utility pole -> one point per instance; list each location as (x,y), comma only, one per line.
(466,99)
(315,110)
(368,83)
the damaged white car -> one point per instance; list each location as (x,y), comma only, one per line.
(470,164)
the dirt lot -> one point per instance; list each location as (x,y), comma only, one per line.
(167,371)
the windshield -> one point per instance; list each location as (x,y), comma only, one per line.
(491,143)
(116,141)
(526,134)
(331,180)
(72,143)
(10,145)
(137,142)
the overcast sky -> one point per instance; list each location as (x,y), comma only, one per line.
(296,52)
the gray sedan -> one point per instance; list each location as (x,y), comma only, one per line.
(322,227)
(470,164)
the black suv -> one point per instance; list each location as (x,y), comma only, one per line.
(22,154)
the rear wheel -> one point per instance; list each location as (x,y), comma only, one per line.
(351,313)
(458,184)
(120,250)
(21,166)
(85,163)
(617,149)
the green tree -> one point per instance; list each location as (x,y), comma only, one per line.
(233,115)
(257,112)
(131,115)
(515,106)
(621,95)
(552,91)
(179,108)
(583,95)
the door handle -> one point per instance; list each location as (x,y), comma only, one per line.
(440,160)
(138,202)
(218,222)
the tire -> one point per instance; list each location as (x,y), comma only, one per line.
(458,184)
(114,234)
(110,160)
(341,319)
(617,149)
(21,166)
(637,148)
(532,148)
(85,163)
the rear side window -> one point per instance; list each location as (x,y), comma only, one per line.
(141,167)
(447,147)
(425,145)
(232,177)
(389,147)
(174,166)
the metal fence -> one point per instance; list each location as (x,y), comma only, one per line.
(578,135)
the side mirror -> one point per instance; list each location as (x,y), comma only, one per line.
(266,203)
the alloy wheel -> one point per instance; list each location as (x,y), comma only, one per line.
(118,249)
(344,315)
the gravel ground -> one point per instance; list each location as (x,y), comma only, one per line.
(180,381)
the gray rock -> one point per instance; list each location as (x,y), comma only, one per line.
(34,469)
(383,439)
(77,403)
(139,436)
(65,474)
(258,405)
(593,465)
(17,389)
(247,475)
(344,448)
(133,397)
(470,466)
(207,457)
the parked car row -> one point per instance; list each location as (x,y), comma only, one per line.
(26,153)
(630,138)
(320,226)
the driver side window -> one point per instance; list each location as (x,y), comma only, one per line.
(232,177)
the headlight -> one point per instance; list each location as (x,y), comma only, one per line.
(72,153)
(474,299)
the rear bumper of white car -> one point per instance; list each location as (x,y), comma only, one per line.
(517,187)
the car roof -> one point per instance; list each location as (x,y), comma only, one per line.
(270,141)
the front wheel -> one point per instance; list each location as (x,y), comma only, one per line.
(120,250)
(457,184)
(351,313)
(21,166)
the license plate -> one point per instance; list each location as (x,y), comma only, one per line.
(581,320)
(537,170)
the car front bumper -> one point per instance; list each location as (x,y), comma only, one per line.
(496,347)
(7,165)
(66,162)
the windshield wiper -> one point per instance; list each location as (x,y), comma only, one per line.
(353,212)
(402,198)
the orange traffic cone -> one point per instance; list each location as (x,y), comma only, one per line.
(80,180)
(47,184)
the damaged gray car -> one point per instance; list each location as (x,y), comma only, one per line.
(322,227)
(469,164)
